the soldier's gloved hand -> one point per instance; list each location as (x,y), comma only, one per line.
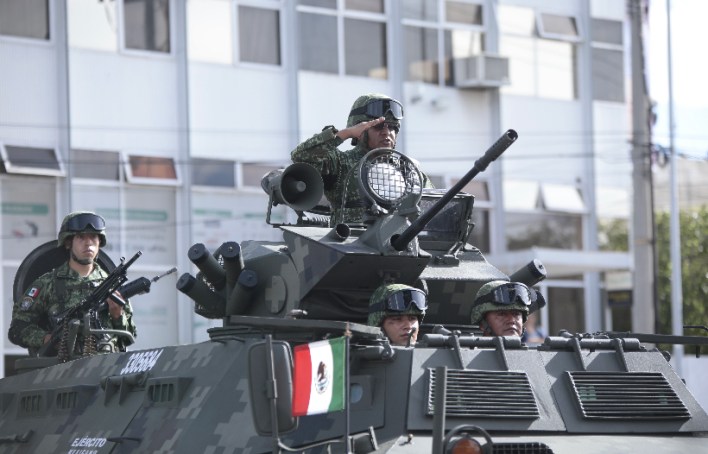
(115,309)
(359,129)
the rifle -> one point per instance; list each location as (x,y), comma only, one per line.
(141,285)
(104,290)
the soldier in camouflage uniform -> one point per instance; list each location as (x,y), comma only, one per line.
(501,307)
(398,310)
(374,122)
(81,234)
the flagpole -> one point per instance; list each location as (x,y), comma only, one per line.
(273,400)
(347,441)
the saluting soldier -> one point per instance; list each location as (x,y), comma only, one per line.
(374,122)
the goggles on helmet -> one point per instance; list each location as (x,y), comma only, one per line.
(82,221)
(401,301)
(379,107)
(510,293)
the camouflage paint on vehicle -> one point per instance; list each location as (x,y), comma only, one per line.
(572,394)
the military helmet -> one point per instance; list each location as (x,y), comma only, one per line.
(502,296)
(396,299)
(82,222)
(374,105)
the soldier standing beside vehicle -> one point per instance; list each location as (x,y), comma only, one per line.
(398,310)
(82,234)
(501,307)
(374,122)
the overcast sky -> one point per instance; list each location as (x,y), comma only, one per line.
(690,73)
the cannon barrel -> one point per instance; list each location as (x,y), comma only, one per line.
(400,242)
(207,302)
(233,262)
(530,274)
(208,265)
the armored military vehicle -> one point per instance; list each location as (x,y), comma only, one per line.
(456,391)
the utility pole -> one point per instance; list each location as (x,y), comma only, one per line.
(675,228)
(642,232)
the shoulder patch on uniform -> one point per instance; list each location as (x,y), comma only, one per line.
(33,292)
(26,303)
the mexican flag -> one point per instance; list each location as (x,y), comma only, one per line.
(318,377)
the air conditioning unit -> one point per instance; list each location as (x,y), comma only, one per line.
(481,71)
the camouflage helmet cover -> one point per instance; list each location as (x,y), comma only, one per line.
(384,291)
(363,100)
(479,309)
(66,231)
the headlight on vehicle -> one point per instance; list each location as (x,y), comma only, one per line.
(388,178)
(464,440)
(464,445)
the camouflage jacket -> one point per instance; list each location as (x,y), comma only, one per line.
(53,293)
(338,170)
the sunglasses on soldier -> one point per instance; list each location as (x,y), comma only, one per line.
(401,301)
(82,221)
(391,127)
(510,293)
(379,107)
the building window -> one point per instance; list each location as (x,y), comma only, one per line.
(548,215)
(219,217)
(95,164)
(613,207)
(150,224)
(527,230)
(92,24)
(157,170)
(553,26)
(213,172)
(365,48)
(437,33)
(332,4)
(463,13)
(209,33)
(567,309)
(372,6)
(542,52)
(422,54)
(213,25)
(259,35)
(31,160)
(252,174)
(354,30)
(25,19)
(28,216)
(318,43)
(607,60)
(481,233)
(147,25)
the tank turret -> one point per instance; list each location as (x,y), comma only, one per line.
(408,235)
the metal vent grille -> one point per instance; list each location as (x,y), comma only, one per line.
(628,395)
(162,392)
(472,394)
(67,400)
(521,448)
(31,404)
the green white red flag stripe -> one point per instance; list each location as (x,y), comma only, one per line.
(318,377)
